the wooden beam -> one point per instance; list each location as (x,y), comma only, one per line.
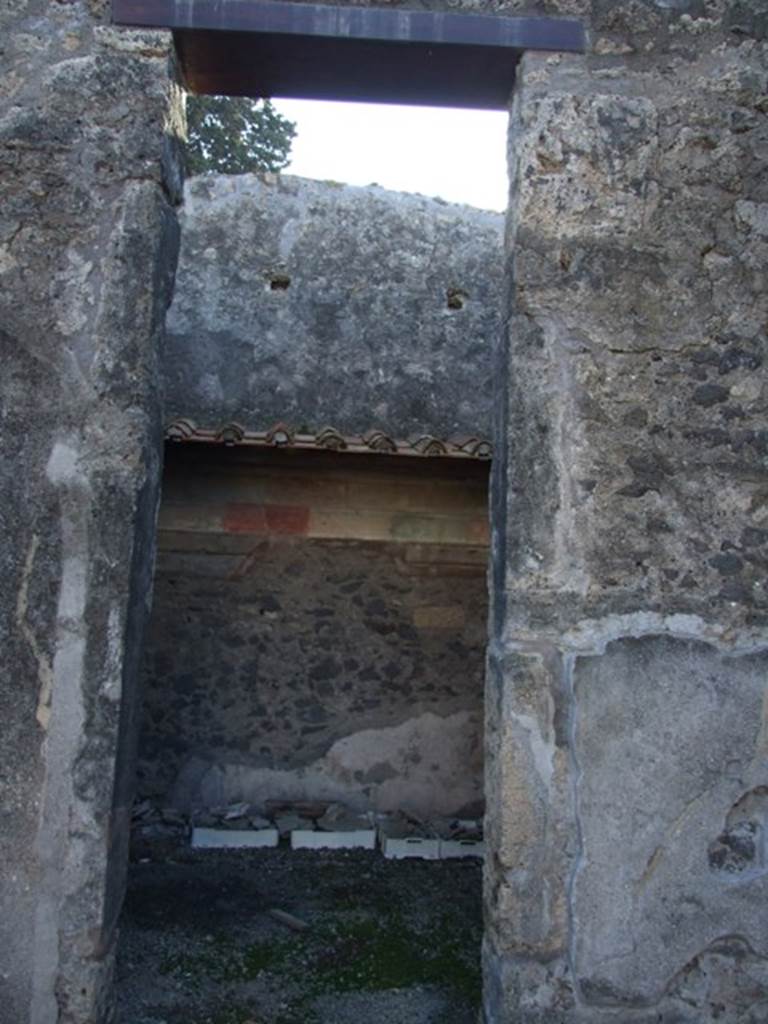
(352,22)
(278,48)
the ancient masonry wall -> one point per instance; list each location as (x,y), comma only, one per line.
(627,753)
(87,250)
(318,632)
(306,634)
(625,736)
(319,304)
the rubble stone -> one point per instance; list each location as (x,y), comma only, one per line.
(88,237)
(626,770)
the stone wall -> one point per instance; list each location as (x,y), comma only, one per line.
(626,769)
(627,674)
(319,304)
(87,249)
(318,632)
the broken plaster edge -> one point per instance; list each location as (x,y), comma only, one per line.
(592,636)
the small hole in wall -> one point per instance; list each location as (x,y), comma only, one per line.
(455,298)
(279,282)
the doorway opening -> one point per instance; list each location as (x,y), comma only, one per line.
(471,59)
(313,679)
(315,660)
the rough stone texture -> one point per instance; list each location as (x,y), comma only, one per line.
(279,665)
(87,244)
(641,261)
(627,667)
(629,513)
(320,304)
(686,819)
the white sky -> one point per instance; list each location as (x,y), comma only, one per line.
(458,155)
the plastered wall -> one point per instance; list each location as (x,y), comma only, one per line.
(318,632)
(320,304)
(627,667)
(88,240)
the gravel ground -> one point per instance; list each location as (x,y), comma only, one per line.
(387,942)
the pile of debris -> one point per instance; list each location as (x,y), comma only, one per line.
(403,835)
(303,825)
(156,832)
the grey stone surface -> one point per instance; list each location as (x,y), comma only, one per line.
(87,246)
(319,304)
(627,795)
(290,667)
(628,514)
(672,760)
(529,822)
(639,340)
(630,485)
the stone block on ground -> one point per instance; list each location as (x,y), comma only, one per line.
(233,839)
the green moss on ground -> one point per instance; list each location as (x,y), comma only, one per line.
(361,953)
(371,930)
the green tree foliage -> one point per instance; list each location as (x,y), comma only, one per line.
(235,135)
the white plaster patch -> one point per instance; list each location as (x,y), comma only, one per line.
(592,636)
(427,765)
(73,588)
(653,737)
(72,293)
(543,750)
(65,724)
(62,465)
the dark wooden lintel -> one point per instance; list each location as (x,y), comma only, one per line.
(281,48)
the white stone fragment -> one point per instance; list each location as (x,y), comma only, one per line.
(304,839)
(233,839)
